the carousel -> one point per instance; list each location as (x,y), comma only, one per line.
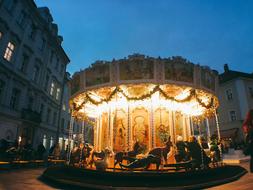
(151,102)
(143,99)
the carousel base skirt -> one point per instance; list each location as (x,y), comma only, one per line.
(66,176)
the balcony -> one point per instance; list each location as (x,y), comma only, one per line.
(30,115)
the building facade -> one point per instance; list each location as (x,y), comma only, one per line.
(32,74)
(236,99)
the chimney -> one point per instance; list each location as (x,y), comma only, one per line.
(226,68)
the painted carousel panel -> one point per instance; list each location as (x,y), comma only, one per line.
(136,69)
(75,84)
(120,131)
(207,79)
(99,73)
(179,69)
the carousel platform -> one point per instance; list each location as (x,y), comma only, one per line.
(92,179)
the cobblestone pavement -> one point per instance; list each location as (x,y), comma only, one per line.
(28,179)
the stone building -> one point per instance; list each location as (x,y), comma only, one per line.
(236,98)
(32,74)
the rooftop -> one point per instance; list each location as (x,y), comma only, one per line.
(229,75)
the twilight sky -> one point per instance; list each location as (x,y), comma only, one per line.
(208,32)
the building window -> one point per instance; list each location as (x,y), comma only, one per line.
(33,32)
(46,83)
(68,125)
(36,72)
(51,56)
(30,103)
(54,119)
(41,110)
(48,118)
(229,94)
(52,89)
(15,98)
(2,86)
(62,124)
(21,19)
(62,68)
(9,51)
(42,44)
(24,63)
(251,92)
(57,64)
(58,91)
(64,106)
(232,115)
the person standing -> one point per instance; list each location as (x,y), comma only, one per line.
(248,130)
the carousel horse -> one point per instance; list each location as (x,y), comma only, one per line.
(75,156)
(103,155)
(162,151)
(85,155)
(129,156)
(143,163)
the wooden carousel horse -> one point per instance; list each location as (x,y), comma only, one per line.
(143,163)
(129,156)
(85,155)
(75,156)
(103,155)
(162,151)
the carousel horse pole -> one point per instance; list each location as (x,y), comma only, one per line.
(130,156)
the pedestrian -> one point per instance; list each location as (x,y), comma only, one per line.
(57,152)
(181,150)
(197,153)
(40,151)
(248,130)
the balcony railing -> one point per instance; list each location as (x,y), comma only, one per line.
(30,115)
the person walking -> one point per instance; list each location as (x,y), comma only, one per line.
(248,130)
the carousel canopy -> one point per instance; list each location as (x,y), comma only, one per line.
(173,83)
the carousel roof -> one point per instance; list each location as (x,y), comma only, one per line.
(173,80)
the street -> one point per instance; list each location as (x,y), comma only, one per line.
(29,179)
